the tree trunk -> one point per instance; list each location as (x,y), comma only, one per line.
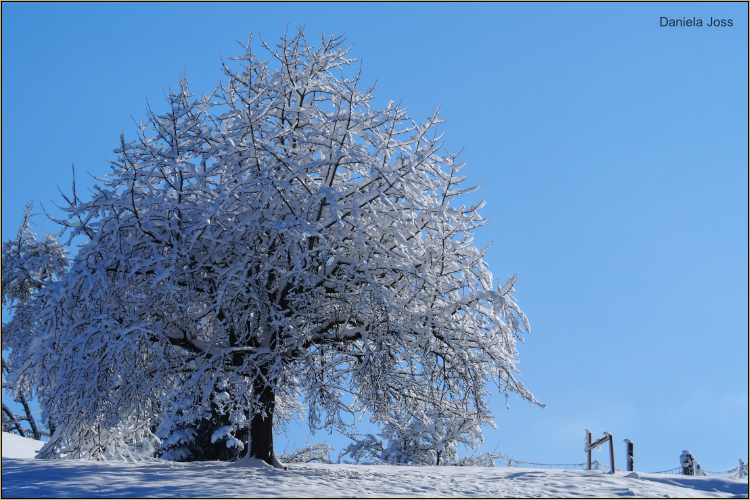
(13,419)
(261,426)
(30,417)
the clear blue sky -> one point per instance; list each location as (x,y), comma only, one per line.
(614,154)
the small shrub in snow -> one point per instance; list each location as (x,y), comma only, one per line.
(481,460)
(318,452)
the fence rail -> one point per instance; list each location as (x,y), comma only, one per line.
(517,463)
(676,470)
(740,472)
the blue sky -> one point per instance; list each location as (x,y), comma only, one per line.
(613,153)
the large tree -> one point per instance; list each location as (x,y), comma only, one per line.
(278,241)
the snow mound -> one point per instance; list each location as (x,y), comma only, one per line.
(258,463)
(17,447)
(251,462)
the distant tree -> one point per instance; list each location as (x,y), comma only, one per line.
(28,265)
(284,240)
(431,439)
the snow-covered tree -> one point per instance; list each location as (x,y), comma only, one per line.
(28,265)
(287,240)
(432,438)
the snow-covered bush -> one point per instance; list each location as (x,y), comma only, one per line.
(318,452)
(216,436)
(285,237)
(479,460)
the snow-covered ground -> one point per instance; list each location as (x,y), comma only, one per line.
(18,447)
(25,477)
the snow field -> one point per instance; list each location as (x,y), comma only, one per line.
(29,478)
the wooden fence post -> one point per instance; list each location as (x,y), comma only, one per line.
(629,454)
(611,452)
(597,444)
